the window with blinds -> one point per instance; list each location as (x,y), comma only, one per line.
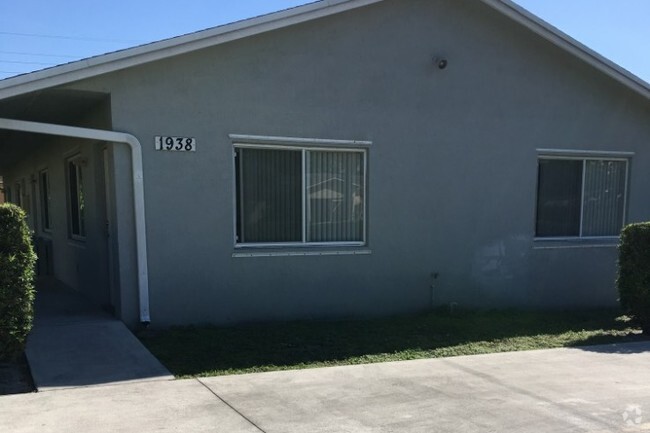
(581,197)
(292,195)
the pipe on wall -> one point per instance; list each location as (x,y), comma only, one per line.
(138,187)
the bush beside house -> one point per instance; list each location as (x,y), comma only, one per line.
(17,260)
(634,273)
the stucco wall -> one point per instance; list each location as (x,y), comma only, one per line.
(452,169)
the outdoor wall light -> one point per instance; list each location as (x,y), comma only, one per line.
(440,62)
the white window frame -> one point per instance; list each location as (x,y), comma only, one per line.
(588,156)
(45,201)
(304,145)
(79,162)
(19,194)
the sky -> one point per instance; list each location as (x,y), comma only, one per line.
(36,34)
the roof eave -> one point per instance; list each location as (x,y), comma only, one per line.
(566,42)
(94,66)
(112,62)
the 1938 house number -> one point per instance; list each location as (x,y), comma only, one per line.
(176,144)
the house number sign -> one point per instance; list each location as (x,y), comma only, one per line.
(176,144)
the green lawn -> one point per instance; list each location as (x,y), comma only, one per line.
(213,351)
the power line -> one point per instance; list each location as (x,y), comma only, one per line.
(74,38)
(20,53)
(27,63)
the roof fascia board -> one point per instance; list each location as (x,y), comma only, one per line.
(566,42)
(91,67)
(111,62)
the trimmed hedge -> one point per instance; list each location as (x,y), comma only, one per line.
(634,273)
(17,260)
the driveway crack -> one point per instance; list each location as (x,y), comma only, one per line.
(231,406)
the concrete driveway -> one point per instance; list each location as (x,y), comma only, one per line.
(595,389)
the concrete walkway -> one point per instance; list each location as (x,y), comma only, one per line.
(75,344)
(595,389)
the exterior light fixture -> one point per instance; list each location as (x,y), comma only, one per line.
(441,62)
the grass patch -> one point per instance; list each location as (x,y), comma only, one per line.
(213,351)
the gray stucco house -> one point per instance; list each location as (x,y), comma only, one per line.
(343,158)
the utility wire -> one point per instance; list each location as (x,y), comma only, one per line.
(20,53)
(28,63)
(74,38)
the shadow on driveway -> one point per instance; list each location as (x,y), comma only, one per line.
(618,348)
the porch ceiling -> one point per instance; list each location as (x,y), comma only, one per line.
(59,106)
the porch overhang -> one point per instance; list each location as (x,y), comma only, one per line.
(138,186)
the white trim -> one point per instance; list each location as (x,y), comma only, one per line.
(76,243)
(574,238)
(45,202)
(574,246)
(297,148)
(300,244)
(78,239)
(19,191)
(123,59)
(296,141)
(366,181)
(566,153)
(303,196)
(46,235)
(71,151)
(138,187)
(582,197)
(119,60)
(235,162)
(77,161)
(625,196)
(566,42)
(582,158)
(262,143)
(582,193)
(363,252)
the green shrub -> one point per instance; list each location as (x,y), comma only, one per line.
(634,273)
(17,261)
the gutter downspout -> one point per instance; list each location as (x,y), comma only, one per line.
(138,187)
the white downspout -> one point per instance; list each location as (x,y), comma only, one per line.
(138,187)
